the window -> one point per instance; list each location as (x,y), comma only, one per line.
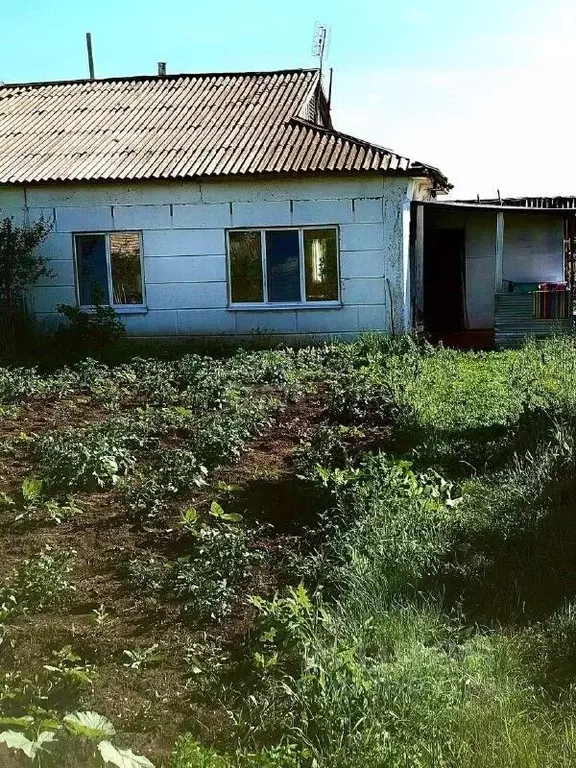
(109,269)
(283,266)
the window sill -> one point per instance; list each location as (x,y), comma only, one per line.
(299,305)
(132,310)
(135,309)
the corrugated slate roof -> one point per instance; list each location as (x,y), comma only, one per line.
(180,127)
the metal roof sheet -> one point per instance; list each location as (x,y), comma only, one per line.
(560,201)
(180,127)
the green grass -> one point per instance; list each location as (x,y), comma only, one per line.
(437,631)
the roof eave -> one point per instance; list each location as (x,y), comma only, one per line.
(414,173)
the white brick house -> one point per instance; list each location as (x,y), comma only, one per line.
(211,204)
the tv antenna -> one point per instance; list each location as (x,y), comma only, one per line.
(319,50)
(320,42)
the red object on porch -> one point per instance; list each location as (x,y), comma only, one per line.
(552,286)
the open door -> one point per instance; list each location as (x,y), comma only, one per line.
(444,280)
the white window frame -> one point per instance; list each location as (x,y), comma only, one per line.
(120,308)
(272,305)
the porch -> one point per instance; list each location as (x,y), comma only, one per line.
(491,274)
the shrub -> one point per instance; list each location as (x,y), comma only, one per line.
(20,264)
(90,331)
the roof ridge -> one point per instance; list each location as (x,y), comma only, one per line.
(144,78)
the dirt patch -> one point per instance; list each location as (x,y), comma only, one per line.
(43,414)
(263,484)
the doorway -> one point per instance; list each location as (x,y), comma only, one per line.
(444,280)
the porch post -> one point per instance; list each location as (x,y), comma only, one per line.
(419,267)
(499,254)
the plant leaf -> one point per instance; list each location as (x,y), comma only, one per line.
(189,516)
(216,510)
(89,724)
(20,722)
(230,517)
(32,489)
(15,740)
(123,758)
(43,738)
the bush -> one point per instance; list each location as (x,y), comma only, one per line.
(90,331)
(20,265)
(20,269)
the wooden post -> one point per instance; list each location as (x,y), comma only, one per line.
(418,255)
(570,262)
(499,253)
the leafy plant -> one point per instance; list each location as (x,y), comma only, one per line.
(150,572)
(39,584)
(90,331)
(30,747)
(179,471)
(332,446)
(101,616)
(31,504)
(88,732)
(68,672)
(21,266)
(90,457)
(139,658)
(209,578)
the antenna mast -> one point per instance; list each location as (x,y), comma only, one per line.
(318,50)
(319,43)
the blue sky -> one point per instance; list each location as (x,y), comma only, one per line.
(463,84)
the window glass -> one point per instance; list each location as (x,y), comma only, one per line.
(92,269)
(246,267)
(126,268)
(321,255)
(283,265)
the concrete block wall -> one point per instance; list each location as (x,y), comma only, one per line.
(184,227)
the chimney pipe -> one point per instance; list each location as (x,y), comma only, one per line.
(161,67)
(90,56)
